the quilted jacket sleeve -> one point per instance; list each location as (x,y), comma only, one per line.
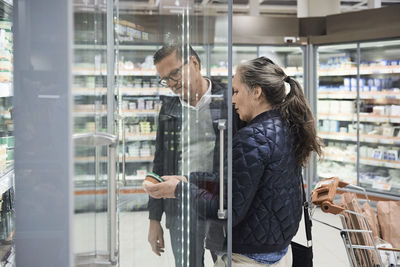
(249,152)
(156,206)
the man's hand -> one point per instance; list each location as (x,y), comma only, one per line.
(156,237)
(165,189)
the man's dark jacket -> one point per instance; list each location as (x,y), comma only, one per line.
(167,154)
(266,199)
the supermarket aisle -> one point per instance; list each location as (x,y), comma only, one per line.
(328,245)
(135,251)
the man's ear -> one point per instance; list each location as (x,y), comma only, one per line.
(195,62)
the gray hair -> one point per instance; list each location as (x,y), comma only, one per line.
(293,107)
(168,49)
(264,73)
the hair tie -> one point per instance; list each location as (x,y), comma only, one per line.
(287,79)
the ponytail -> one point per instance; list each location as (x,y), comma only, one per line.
(296,111)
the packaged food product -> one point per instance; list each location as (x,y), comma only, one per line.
(151,178)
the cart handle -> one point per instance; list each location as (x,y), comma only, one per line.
(389,249)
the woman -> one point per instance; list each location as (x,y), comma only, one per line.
(268,155)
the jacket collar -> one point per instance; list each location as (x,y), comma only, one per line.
(216,88)
(273,113)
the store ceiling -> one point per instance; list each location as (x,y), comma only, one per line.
(278,8)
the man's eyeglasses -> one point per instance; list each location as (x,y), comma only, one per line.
(175,76)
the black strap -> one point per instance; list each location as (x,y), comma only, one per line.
(307,220)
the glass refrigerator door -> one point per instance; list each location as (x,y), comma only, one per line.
(95,137)
(6,135)
(290,58)
(336,111)
(164,131)
(380,116)
(243,53)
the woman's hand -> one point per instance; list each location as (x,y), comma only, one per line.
(165,189)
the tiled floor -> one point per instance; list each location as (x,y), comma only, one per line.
(135,251)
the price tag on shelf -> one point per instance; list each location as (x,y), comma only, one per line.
(394,120)
(381,185)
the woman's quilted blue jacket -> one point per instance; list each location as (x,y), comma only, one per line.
(266,196)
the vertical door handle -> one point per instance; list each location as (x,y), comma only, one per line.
(109,140)
(112,202)
(123,124)
(124,152)
(221,210)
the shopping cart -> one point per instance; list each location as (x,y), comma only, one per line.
(360,245)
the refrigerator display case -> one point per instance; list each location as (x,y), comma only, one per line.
(379,127)
(290,58)
(137,98)
(140,97)
(139,92)
(95,136)
(358,114)
(337,116)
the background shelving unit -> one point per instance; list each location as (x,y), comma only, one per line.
(353,78)
(359,113)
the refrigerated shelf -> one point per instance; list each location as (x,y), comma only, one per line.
(132,113)
(104,159)
(139,137)
(89,91)
(125,91)
(379,139)
(89,113)
(352,71)
(139,113)
(151,91)
(367,161)
(135,72)
(150,48)
(364,117)
(103,71)
(363,95)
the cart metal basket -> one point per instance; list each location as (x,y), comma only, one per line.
(360,245)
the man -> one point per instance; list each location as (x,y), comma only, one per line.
(187,132)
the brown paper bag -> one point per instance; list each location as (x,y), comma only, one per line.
(389,218)
(363,257)
(359,259)
(372,220)
(352,223)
